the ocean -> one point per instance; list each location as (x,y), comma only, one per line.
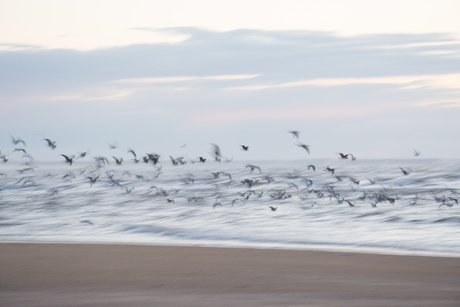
(365,206)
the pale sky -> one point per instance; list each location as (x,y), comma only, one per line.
(374,78)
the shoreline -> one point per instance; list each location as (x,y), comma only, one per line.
(49,274)
(265,246)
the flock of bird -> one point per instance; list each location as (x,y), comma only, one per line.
(330,185)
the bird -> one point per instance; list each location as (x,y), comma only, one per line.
(404,171)
(216,153)
(202,160)
(92,180)
(113,146)
(118,160)
(329,169)
(68,159)
(353,158)
(273,208)
(135,159)
(304,146)
(244,148)
(87,222)
(311,166)
(343,156)
(17,141)
(253,167)
(416,153)
(51,144)
(295,133)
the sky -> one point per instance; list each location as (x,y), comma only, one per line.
(376,79)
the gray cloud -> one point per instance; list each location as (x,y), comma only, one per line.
(66,92)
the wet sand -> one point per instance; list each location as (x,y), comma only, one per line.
(131,275)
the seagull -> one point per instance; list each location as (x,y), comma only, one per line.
(245,148)
(295,133)
(304,146)
(17,141)
(311,166)
(253,167)
(416,153)
(273,208)
(135,159)
(216,152)
(113,146)
(332,170)
(343,156)
(92,180)
(353,158)
(87,222)
(118,160)
(404,171)
(51,144)
(68,159)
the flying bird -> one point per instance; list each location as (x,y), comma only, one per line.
(295,133)
(17,141)
(68,159)
(245,148)
(51,144)
(273,208)
(416,153)
(216,153)
(311,166)
(343,156)
(404,171)
(304,146)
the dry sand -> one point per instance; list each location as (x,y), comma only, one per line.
(129,275)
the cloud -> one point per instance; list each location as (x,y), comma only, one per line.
(237,83)
(447,81)
(181,79)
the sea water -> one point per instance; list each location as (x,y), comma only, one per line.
(366,205)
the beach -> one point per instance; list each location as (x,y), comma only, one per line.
(39,274)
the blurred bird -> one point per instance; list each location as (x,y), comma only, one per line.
(304,146)
(17,141)
(68,159)
(51,144)
(295,133)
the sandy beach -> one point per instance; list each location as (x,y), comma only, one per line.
(132,275)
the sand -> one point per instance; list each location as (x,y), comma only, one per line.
(131,275)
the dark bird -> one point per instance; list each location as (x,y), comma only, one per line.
(51,144)
(349,203)
(68,159)
(202,159)
(216,153)
(245,148)
(332,170)
(87,222)
(83,154)
(253,167)
(17,141)
(304,146)
(295,133)
(343,156)
(92,180)
(113,146)
(311,166)
(118,160)
(404,171)
(135,159)
(20,149)
(273,208)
